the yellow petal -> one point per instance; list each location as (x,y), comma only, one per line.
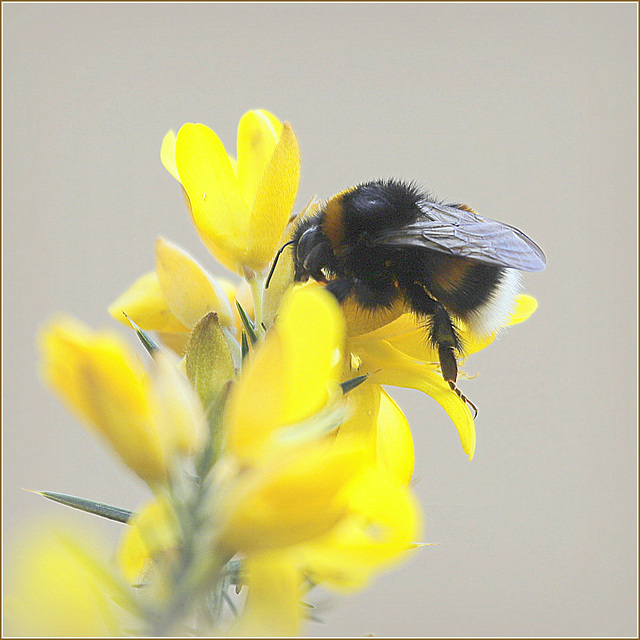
(395,444)
(383,521)
(371,328)
(281,280)
(189,291)
(275,197)
(408,334)
(375,324)
(253,407)
(49,590)
(311,328)
(218,208)
(177,342)
(291,375)
(101,381)
(152,535)
(144,303)
(388,365)
(382,427)
(364,403)
(258,133)
(416,345)
(168,154)
(282,276)
(177,412)
(273,602)
(525,307)
(294,497)
(414,342)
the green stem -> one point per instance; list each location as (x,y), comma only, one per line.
(190,584)
(257,290)
(199,569)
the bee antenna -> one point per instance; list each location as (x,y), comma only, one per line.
(275,262)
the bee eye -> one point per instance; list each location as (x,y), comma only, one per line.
(305,243)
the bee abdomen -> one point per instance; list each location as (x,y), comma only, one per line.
(494,313)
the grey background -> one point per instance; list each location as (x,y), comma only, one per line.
(527,112)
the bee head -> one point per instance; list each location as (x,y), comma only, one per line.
(311,252)
(309,248)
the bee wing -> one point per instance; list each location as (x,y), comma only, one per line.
(465,234)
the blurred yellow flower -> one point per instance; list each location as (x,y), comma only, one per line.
(149,551)
(146,419)
(274,497)
(239,209)
(190,292)
(299,492)
(146,305)
(55,587)
(273,600)
(379,523)
(334,508)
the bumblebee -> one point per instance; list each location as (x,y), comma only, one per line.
(386,240)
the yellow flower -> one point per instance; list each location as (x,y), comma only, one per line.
(171,299)
(55,587)
(240,210)
(292,493)
(394,351)
(382,524)
(298,500)
(380,423)
(293,374)
(275,498)
(146,419)
(151,533)
(273,601)
(149,550)
(379,524)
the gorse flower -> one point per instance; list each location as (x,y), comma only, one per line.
(275,458)
(241,208)
(56,586)
(289,497)
(146,419)
(171,299)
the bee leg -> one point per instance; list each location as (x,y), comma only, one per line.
(448,343)
(441,333)
(464,398)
